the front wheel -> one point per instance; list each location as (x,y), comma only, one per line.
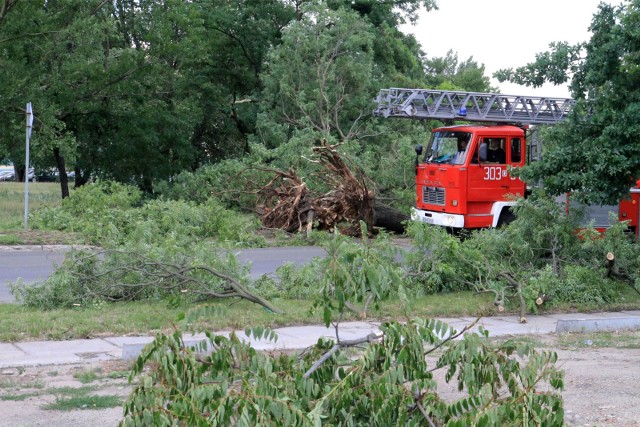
(506,218)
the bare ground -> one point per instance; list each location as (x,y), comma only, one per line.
(602,388)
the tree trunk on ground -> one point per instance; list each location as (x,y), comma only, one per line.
(390,218)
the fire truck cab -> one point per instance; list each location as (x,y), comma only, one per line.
(463,180)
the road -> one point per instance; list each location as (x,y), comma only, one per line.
(29,264)
(37,263)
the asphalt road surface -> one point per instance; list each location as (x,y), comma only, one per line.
(33,264)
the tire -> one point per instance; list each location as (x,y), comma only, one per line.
(506,218)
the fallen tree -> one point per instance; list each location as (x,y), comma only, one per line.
(92,276)
(288,204)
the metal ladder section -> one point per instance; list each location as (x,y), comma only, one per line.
(471,106)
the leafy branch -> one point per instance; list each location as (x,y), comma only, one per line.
(126,275)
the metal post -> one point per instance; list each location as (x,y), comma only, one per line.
(26,173)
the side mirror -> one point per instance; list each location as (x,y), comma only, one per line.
(418,153)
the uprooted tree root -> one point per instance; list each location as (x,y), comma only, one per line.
(289,205)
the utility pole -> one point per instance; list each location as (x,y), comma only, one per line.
(26,173)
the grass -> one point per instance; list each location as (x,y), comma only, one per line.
(11,384)
(616,339)
(72,391)
(10,239)
(89,376)
(18,397)
(68,398)
(41,194)
(84,402)
(147,318)
(114,375)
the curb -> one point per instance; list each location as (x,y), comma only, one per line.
(597,325)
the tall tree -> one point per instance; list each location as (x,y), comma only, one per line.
(320,77)
(449,73)
(595,154)
(227,71)
(96,96)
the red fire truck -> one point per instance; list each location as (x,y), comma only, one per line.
(462,176)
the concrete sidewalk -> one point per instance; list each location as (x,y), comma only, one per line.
(41,353)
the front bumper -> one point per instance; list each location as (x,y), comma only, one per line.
(437,218)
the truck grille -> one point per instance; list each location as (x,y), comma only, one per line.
(433,195)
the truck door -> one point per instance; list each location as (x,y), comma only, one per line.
(515,159)
(488,179)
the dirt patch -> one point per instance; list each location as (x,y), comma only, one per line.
(26,392)
(601,388)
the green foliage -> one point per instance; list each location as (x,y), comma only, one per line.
(84,402)
(543,231)
(595,153)
(355,273)
(292,282)
(41,195)
(99,211)
(440,262)
(334,276)
(88,376)
(108,214)
(133,272)
(230,181)
(145,93)
(541,251)
(60,289)
(388,382)
(319,78)
(483,370)
(577,284)
(449,74)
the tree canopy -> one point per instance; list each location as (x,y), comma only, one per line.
(595,154)
(140,91)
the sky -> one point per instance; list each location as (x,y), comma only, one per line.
(504,33)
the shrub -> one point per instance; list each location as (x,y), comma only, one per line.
(101,212)
(228,181)
(110,214)
(577,284)
(372,264)
(291,282)
(135,271)
(540,253)
(439,261)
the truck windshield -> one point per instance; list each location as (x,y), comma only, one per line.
(448,147)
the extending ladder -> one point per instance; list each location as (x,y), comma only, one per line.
(471,106)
